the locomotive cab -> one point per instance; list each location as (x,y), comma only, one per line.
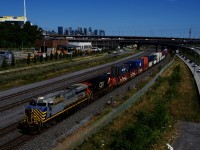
(35,114)
(42,110)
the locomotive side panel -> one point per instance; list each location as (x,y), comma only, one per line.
(145,62)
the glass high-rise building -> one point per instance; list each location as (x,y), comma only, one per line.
(85,31)
(60,30)
(102,33)
(95,32)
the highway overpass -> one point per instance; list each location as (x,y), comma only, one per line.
(114,41)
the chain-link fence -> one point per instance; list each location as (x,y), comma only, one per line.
(79,137)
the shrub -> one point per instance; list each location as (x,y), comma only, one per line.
(175,76)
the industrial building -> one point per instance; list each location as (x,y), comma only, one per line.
(50,45)
(81,45)
(14,20)
(19,20)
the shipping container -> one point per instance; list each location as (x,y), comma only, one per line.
(132,65)
(118,70)
(98,83)
(151,59)
(155,59)
(158,56)
(145,62)
(164,53)
(133,69)
(140,64)
(120,73)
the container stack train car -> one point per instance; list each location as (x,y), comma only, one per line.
(48,109)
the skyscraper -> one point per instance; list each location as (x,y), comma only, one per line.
(85,31)
(60,30)
(96,32)
(90,31)
(101,32)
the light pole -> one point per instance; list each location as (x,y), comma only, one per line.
(194,61)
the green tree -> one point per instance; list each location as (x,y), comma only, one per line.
(28,59)
(13,63)
(56,56)
(12,35)
(34,58)
(60,56)
(4,64)
(41,58)
(51,56)
(46,58)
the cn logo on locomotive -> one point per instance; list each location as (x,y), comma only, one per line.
(101,84)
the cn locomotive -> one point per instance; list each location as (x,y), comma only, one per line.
(45,110)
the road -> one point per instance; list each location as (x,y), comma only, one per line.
(188,132)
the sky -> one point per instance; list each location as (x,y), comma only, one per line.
(166,18)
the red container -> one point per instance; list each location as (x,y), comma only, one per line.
(145,62)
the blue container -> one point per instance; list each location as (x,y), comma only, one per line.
(132,65)
(152,57)
(139,63)
(118,70)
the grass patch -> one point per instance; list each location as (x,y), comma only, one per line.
(32,75)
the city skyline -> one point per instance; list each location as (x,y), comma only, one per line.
(79,31)
(128,17)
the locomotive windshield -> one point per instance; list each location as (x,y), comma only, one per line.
(33,103)
(41,104)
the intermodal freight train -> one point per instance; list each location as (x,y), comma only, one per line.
(48,109)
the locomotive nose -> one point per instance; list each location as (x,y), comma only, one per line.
(28,112)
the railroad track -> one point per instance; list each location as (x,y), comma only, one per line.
(8,129)
(16,142)
(23,101)
(22,97)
